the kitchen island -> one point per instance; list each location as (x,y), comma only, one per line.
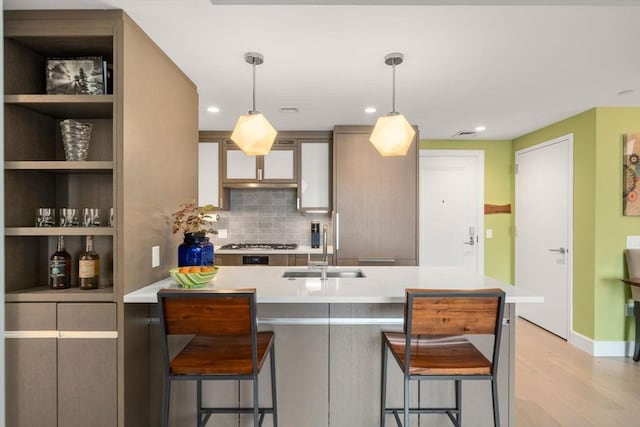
(328,347)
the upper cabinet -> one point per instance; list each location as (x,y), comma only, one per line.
(314,185)
(298,159)
(279,166)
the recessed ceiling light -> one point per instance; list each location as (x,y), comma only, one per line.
(481,128)
(213,109)
(626,92)
(370,110)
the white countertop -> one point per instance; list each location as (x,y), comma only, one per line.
(381,285)
(300,250)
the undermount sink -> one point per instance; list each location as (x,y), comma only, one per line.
(331,274)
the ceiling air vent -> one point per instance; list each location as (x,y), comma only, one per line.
(289,110)
(465,134)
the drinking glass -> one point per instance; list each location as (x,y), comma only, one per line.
(46,217)
(68,217)
(91,217)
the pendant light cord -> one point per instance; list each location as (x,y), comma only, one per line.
(393,100)
(253,65)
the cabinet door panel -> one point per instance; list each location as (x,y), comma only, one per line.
(314,175)
(208,173)
(87,382)
(31,382)
(279,165)
(240,166)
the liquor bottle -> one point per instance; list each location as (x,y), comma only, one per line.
(88,267)
(60,267)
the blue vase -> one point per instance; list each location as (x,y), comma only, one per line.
(195,250)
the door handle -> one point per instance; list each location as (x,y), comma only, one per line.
(471,242)
(561,250)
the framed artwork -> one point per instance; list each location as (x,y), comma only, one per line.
(631,174)
(75,76)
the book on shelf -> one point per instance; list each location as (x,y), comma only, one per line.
(75,76)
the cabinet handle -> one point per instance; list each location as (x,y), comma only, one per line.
(298,203)
(259,174)
(377,260)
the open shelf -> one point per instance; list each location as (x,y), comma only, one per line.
(44,294)
(65,106)
(61,166)
(59,231)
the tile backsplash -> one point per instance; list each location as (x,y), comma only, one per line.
(266,215)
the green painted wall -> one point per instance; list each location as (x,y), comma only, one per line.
(498,256)
(600,229)
(611,226)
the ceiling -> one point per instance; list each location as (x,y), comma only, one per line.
(511,68)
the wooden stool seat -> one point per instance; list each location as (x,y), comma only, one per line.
(449,355)
(220,355)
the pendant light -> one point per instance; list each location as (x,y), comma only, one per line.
(253,133)
(392,134)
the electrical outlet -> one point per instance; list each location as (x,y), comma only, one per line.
(222,233)
(628,307)
(155,256)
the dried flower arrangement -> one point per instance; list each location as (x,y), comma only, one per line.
(191,218)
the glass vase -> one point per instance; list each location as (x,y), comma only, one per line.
(195,250)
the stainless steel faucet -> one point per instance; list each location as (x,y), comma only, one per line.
(324,264)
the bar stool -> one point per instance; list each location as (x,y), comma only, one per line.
(435,325)
(225,345)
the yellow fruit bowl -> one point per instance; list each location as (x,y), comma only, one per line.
(193,277)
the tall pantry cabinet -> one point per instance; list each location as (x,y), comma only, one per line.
(73,357)
(375,201)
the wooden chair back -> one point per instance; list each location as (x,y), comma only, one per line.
(207,312)
(446,312)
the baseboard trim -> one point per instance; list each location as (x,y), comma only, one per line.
(601,348)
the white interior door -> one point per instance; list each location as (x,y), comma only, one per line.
(452,208)
(544,193)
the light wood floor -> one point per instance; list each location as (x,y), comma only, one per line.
(559,385)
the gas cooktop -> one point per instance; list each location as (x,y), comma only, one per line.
(260,246)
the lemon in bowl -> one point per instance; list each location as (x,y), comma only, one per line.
(193,277)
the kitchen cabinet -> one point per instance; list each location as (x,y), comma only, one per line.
(279,166)
(151,104)
(314,185)
(63,360)
(209,173)
(375,201)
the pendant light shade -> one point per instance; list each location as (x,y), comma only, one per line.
(392,134)
(253,133)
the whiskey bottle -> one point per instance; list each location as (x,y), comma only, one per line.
(60,267)
(88,266)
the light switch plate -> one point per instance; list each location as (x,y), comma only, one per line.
(155,256)
(222,233)
(489,233)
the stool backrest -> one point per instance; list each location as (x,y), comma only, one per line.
(453,312)
(207,312)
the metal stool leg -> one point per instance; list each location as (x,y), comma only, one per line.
(406,398)
(199,402)
(494,394)
(166,399)
(383,388)
(459,401)
(256,422)
(273,386)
